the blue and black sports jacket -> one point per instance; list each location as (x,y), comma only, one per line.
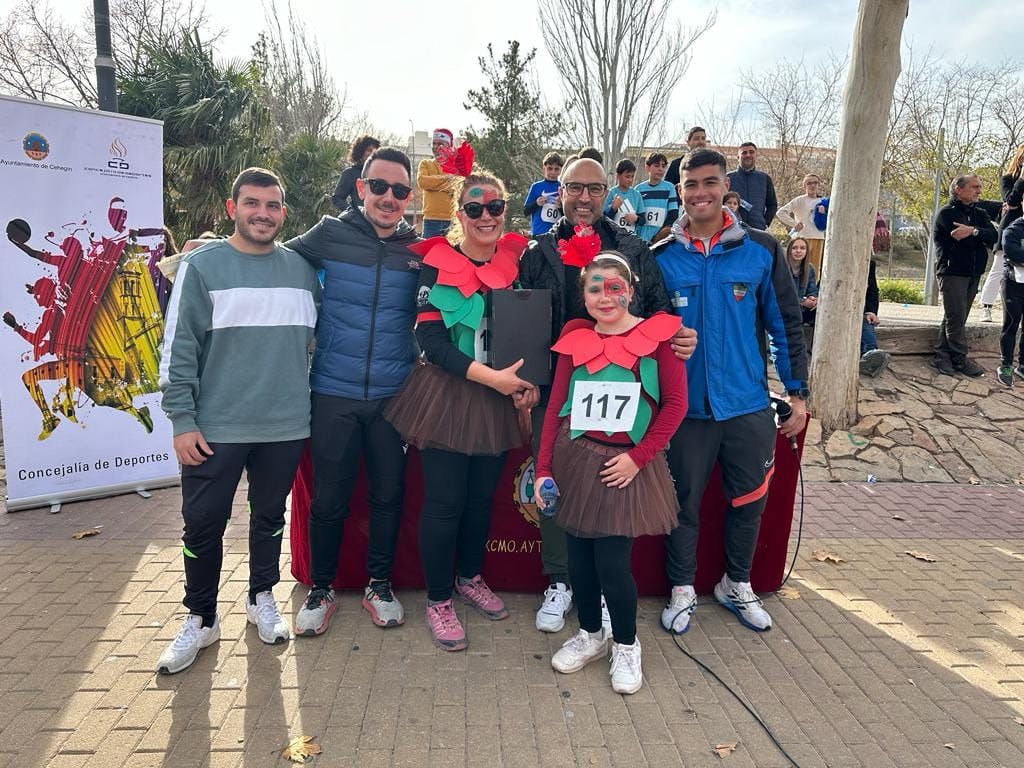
(365,346)
(733,296)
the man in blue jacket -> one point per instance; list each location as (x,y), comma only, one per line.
(758,203)
(364,350)
(731,284)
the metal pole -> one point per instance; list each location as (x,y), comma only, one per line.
(929,267)
(106,84)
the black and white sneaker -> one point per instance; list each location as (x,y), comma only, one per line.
(739,597)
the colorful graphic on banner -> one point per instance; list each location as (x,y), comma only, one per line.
(82,304)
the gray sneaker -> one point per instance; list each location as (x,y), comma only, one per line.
(1004,373)
(874,362)
(384,608)
(316,612)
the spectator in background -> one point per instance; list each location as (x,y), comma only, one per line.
(661,200)
(697,138)
(1005,212)
(873,361)
(542,205)
(624,204)
(1013,300)
(757,192)
(963,234)
(806,284)
(592,153)
(437,186)
(731,200)
(798,215)
(346,194)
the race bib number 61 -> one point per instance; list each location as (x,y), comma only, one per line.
(605,406)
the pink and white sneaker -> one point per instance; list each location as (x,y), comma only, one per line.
(476,593)
(445,627)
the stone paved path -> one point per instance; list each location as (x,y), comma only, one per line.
(882,660)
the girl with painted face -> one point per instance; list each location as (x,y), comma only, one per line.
(618,396)
(457,410)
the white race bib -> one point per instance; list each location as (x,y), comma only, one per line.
(604,406)
(620,216)
(549,211)
(654,217)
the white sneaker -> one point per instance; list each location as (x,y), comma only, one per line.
(315,614)
(739,598)
(986,314)
(191,639)
(606,618)
(626,671)
(557,603)
(675,617)
(384,608)
(270,626)
(579,650)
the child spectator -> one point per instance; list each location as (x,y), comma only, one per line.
(731,200)
(542,204)
(624,205)
(661,200)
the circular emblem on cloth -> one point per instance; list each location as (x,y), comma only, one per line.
(522,492)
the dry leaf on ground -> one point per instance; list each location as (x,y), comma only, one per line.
(87,532)
(973,480)
(1019,720)
(949,746)
(898,517)
(790,593)
(920,555)
(300,749)
(727,748)
(827,556)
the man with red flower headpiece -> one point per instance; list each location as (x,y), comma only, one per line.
(554,261)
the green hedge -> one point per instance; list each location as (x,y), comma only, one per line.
(900,291)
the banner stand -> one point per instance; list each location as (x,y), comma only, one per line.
(57,499)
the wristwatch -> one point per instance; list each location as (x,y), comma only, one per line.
(975,232)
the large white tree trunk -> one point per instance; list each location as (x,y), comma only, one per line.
(867,99)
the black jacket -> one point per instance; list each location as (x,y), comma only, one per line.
(541,267)
(1013,248)
(758,203)
(1013,194)
(967,257)
(345,194)
(871,295)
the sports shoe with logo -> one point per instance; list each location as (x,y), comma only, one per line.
(986,313)
(579,650)
(476,593)
(739,597)
(316,612)
(384,608)
(270,626)
(190,640)
(1004,373)
(675,617)
(626,670)
(445,627)
(552,612)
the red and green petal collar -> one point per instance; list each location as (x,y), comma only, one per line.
(455,269)
(588,348)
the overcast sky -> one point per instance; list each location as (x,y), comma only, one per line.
(412,64)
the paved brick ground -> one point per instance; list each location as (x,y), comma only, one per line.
(883,660)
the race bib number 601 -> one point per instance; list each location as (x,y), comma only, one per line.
(606,406)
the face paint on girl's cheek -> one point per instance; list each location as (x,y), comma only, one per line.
(615,287)
(623,302)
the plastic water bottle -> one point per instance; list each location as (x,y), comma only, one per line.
(549,493)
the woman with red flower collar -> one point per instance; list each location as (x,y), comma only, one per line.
(618,396)
(457,410)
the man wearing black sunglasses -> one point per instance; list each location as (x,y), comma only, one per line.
(583,192)
(364,352)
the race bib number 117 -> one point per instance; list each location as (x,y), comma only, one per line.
(604,406)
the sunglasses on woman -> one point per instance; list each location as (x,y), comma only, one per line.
(476,210)
(381,187)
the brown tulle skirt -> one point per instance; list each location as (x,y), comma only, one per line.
(588,508)
(437,410)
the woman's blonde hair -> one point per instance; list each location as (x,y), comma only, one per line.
(1017,163)
(477,178)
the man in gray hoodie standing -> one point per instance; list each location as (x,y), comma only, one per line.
(235,381)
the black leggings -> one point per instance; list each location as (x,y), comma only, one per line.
(1013,308)
(603,565)
(456,515)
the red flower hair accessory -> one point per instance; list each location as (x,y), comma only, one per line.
(458,161)
(580,249)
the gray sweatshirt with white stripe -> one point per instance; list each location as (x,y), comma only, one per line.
(235,360)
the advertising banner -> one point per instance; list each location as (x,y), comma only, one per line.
(82,304)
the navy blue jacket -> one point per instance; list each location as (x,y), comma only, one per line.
(742,289)
(758,203)
(365,346)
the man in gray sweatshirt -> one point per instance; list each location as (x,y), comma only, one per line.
(235,383)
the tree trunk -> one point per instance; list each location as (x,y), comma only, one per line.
(867,99)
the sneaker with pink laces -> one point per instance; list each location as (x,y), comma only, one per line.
(445,627)
(476,593)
